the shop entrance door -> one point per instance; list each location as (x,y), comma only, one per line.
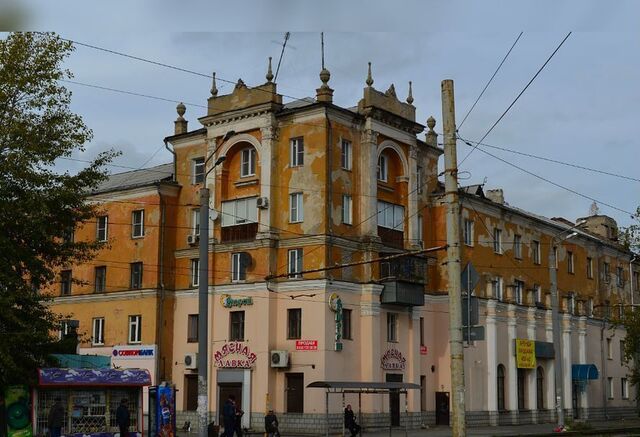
(394,399)
(224,390)
(442,408)
(295,392)
(575,397)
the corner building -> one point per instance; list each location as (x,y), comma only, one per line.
(309,197)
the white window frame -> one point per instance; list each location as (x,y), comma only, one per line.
(346,155)
(624,388)
(296,158)
(135,329)
(100,228)
(498,288)
(517,246)
(570,262)
(390,216)
(519,291)
(238,271)
(392,327)
(137,227)
(468,232)
(555,256)
(248,160)
(198,170)
(590,307)
(538,292)
(195,221)
(195,272)
(347,209)
(97,331)
(609,387)
(571,301)
(64,329)
(535,246)
(295,258)
(239,211)
(296,207)
(497,240)
(383,168)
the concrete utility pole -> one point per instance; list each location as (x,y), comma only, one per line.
(453,259)
(203,314)
(555,318)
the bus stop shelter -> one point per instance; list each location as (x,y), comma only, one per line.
(367,388)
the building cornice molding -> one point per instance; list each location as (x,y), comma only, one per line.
(104,297)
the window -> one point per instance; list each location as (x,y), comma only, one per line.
(467,232)
(65,329)
(420,228)
(609,349)
(498,287)
(239,211)
(500,387)
(570,268)
(68,235)
(192,328)
(619,276)
(540,388)
(497,240)
(392,327)
(136,275)
(346,324)
(607,309)
(65,282)
(98,331)
(624,388)
(102,231)
(621,311)
(622,361)
(294,323)
(137,223)
(345,155)
(521,386)
(606,275)
(538,292)
(610,387)
(390,216)
(248,162)
(195,272)
(135,329)
(295,263)
(195,221)
(239,263)
(297,152)
(590,307)
(517,246)
(519,292)
(421,331)
(296,208)
(636,281)
(419,180)
(100,284)
(571,303)
(536,251)
(347,203)
(555,257)
(589,268)
(236,328)
(383,168)
(197,170)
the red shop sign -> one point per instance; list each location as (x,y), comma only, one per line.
(234,355)
(423,350)
(306,345)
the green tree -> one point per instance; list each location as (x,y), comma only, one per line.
(631,324)
(38,205)
(630,235)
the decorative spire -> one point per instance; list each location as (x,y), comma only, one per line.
(269,75)
(324,93)
(214,88)
(325,75)
(181,109)
(432,136)
(180,125)
(431,123)
(410,96)
(391,92)
(369,80)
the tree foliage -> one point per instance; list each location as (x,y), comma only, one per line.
(38,205)
(630,235)
(631,324)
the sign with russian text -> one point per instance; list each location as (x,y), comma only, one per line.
(306,345)
(525,354)
(393,360)
(230,302)
(423,350)
(134,352)
(234,355)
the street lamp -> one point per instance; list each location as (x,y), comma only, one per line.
(203,298)
(555,316)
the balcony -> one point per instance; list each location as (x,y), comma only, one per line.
(403,280)
(402,293)
(243,232)
(391,237)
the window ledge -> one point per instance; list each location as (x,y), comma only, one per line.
(384,187)
(137,237)
(247,182)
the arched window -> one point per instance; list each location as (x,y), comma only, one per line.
(500,387)
(383,167)
(540,388)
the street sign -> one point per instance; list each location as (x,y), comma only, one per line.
(469,279)
(469,313)
(475,333)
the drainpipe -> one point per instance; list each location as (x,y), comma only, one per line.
(175,163)
(329,193)
(604,370)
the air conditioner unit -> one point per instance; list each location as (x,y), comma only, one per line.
(279,358)
(191,361)
(193,239)
(262,202)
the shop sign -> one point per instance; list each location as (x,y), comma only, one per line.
(234,355)
(335,305)
(306,345)
(393,360)
(230,302)
(134,352)
(525,354)
(423,350)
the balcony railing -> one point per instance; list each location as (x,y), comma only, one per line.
(407,268)
(244,232)
(391,237)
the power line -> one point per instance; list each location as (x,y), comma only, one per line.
(491,79)
(517,97)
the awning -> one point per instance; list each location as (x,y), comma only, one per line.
(582,372)
(93,377)
(364,386)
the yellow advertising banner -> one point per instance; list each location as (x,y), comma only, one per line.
(525,353)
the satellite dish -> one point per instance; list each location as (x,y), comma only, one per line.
(213,214)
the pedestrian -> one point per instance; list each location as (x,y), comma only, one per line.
(238,421)
(229,416)
(123,418)
(350,421)
(271,425)
(56,418)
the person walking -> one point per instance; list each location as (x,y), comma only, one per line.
(271,425)
(238,421)
(229,416)
(350,421)
(56,418)
(123,417)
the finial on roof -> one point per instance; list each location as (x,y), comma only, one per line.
(410,96)
(214,88)
(325,75)
(431,123)
(240,84)
(369,80)
(594,209)
(391,92)
(269,75)
(431,136)
(180,125)
(181,109)
(324,93)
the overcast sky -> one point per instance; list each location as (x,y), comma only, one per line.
(582,108)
